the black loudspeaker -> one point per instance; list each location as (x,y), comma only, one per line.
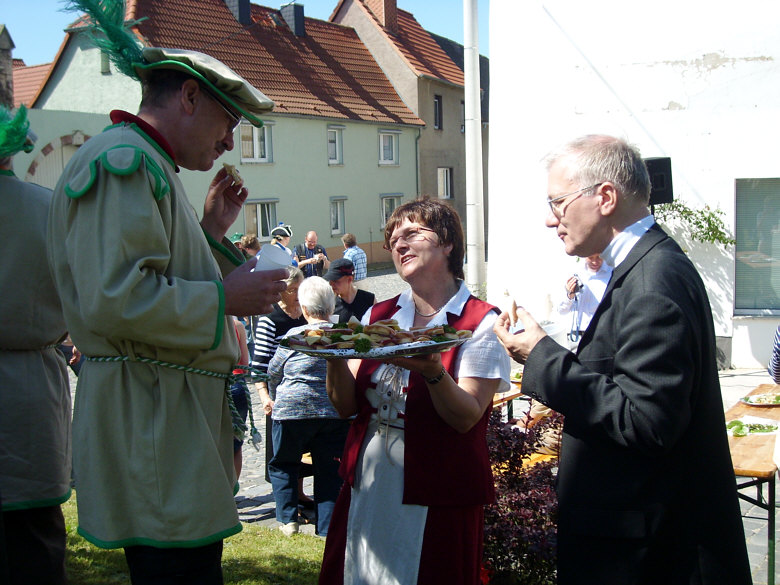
(660,171)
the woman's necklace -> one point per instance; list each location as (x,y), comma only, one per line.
(426,315)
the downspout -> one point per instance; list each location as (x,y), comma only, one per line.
(417,162)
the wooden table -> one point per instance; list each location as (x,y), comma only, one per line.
(753,457)
(501,398)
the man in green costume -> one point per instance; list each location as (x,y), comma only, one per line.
(147,291)
(35,409)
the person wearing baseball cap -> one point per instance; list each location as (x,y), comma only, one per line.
(35,456)
(149,293)
(350,300)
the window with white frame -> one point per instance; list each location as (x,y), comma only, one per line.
(388,147)
(438,119)
(337,216)
(260,218)
(444,182)
(257,143)
(463,117)
(335,145)
(388,204)
(757,231)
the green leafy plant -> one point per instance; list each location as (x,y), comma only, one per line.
(520,527)
(703,224)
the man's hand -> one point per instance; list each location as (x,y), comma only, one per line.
(223,204)
(518,345)
(253,293)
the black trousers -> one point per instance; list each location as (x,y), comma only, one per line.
(35,545)
(175,566)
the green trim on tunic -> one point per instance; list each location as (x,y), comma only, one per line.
(231,253)
(220,316)
(121,160)
(7,173)
(146,137)
(160,543)
(47,503)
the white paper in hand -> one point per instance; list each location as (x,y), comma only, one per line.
(271,257)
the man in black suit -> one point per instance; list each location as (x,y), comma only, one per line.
(645,483)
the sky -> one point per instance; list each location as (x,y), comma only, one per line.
(36,26)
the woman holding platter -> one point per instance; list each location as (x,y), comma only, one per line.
(415,464)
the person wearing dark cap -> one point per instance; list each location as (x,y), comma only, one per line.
(148,292)
(35,461)
(350,300)
(281,235)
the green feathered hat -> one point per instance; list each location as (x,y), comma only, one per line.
(136,61)
(15,133)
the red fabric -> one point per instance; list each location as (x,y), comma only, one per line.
(445,470)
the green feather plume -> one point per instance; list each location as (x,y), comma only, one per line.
(117,40)
(13,131)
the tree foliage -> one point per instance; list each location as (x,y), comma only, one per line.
(704,224)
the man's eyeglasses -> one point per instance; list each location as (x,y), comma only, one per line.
(235,118)
(411,235)
(557,205)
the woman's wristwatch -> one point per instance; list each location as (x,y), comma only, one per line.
(437,378)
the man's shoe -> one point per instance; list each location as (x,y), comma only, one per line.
(289,529)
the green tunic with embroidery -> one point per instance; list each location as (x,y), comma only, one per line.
(152,455)
(35,410)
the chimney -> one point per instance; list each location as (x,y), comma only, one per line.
(386,11)
(241,11)
(6,68)
(293,16)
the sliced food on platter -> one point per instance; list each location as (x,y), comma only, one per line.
(751,425)
(762,400)
(380,339)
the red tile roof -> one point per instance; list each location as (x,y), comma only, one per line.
(327,73)
(27,81)
(423,54)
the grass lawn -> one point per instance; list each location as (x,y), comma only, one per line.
(254,556)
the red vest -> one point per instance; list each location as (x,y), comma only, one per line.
(442,467)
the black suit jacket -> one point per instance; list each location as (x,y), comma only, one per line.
(645,483)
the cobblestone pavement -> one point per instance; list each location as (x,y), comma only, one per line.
(255,503)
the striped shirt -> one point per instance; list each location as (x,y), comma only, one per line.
(269,330)
(774,362)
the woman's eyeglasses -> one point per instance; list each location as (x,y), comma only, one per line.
(411,235)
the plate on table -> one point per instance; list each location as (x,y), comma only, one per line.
(765,400)
(388,351)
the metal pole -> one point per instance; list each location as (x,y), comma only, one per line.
(475,236)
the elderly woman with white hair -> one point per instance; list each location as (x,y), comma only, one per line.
(304,420)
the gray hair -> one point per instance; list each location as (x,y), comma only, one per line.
(594,158)
(317,297)
(295,275)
